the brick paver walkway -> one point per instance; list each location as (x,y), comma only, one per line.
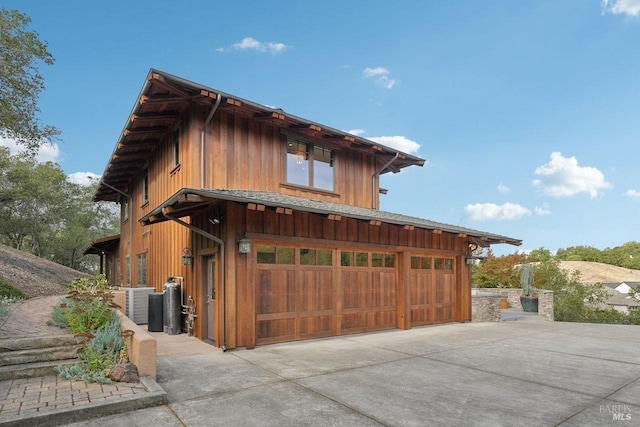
(27,397)
(33,395)
(29,318)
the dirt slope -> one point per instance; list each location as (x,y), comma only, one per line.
(593,272)
(33,275)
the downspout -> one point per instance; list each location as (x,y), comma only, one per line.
(130,213)
(375,176)
(219,241)
(204,129)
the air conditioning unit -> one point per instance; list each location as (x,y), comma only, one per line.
(137,304)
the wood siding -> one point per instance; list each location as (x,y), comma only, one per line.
(267,303)
(250,155)
(264,304)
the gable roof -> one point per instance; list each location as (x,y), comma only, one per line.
(160,104)
(187,201)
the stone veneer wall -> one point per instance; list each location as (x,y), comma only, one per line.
(545,304)
(545,299)
(485,307)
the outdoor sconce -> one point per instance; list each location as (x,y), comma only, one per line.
(244,246)
(187,256)
(469,261)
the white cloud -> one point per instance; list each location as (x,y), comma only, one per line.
(47,152)
(379,75)
(542,210)
(503,188)
(491,211)
(563,177)
(400,143)
(632,194)
(357,132)
(621,7)
(249,43)
(83,178)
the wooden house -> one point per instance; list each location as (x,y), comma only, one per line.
(273,223)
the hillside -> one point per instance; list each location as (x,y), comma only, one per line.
(33,275)
(593,272)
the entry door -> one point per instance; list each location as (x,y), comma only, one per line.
(210,299)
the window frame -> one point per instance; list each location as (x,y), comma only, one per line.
(310,159)
(175,148)
(127,267)
(141,269)
(145,187)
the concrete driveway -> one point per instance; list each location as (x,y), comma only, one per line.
(516,373)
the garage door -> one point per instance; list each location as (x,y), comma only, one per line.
(309,292)
(432,290)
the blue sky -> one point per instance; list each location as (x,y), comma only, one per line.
(527,112)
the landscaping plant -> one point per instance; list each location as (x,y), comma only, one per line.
(99,356)
(89,311)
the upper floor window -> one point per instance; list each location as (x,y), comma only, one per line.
(309,165)
(175,147)
(145,187)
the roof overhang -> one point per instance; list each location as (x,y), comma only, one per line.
(104,245)
(164,98)
(188,201)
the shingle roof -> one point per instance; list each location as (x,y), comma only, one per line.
(180,201)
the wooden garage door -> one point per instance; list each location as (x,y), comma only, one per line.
(432,290)
(297,296)
(368,292)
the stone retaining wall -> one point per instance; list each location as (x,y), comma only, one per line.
(485,307)
(512,295)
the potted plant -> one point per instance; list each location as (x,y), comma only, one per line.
(528,299)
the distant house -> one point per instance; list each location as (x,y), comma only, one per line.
(273,221)
(619,298)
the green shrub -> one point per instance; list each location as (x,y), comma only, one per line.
(59,314)
(87,308)
(87,316)
(99,356)
(6,290)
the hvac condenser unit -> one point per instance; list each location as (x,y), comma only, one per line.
(137,304)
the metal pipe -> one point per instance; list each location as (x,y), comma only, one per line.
(373,181)
(219,241)
(202,134)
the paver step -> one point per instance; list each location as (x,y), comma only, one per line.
(32,370)
(39,355)
(17,344)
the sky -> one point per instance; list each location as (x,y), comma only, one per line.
(526,112)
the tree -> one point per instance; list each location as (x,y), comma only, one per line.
(498,272)
(573,301)
(21,52)
(47,215)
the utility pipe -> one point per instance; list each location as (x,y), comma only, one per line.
(220,242)
(375,176)
(202,134)
(130,212)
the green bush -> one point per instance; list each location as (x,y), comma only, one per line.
(88,306)
(99,356)
(89,310)
(59,314)
(87,316)
(6,290)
